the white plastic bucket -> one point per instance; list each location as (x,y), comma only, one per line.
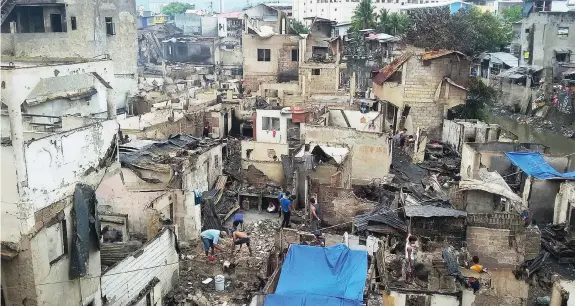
(220,280)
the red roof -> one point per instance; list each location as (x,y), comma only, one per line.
(390,69)
(232,14)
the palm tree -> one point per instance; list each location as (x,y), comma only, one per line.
(363,16)
(392,23)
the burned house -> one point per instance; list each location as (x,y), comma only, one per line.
(271,51)
(459,131)
(59,29)
(422,87)
(57,145)
(163,180)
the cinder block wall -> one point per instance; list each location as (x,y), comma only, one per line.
(496,248)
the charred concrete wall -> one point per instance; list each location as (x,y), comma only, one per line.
(161,127)
(153,268)
(447,229)
(337,205)
(564,200)
(121,47)
(275,59)
(370,152)
(39,275)
(540,195)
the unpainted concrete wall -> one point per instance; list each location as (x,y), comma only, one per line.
(157,259)
(327,82)
(370,152)
(496,248)
(564,200)
(263,151)
(541,198)
(273,170)
(258,72)
(357,120)
(32,278)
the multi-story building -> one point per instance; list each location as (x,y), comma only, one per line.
(75,29)
(342,11)
(58,141)
(547,39)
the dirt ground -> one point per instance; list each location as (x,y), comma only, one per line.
(244,274)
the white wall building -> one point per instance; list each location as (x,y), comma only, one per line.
(58,131)
(342,10)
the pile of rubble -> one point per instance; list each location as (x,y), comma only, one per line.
(559,242)
(244,274)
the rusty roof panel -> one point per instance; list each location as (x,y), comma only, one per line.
(390,69)
(439,53)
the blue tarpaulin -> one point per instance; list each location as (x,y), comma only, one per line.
(535,165)
(333,276)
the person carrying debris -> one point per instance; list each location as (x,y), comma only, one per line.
(238,219)
(287,208)
(240,238)
(315,219)
(409,263)
(210,239)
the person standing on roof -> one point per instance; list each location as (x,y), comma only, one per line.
(210,239)
(408,273)
(287,209)
(315,220)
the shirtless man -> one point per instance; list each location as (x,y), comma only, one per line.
(240,238)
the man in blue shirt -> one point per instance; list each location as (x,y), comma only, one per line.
(287,208)
(283,194)
(210,239)
(239,219)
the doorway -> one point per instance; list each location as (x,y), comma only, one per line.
(56,22)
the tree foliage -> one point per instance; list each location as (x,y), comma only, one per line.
(395,24)
(468,30)
(298,27)
(512,14)
(478,97)
(363,16)
(175,8)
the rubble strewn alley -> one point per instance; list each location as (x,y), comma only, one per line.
(273,154)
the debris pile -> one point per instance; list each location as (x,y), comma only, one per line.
(559,242)
(243,274)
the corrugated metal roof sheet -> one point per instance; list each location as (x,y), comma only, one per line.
(390,69)
(450,81)
(427,211)
(439,53)
(505,58)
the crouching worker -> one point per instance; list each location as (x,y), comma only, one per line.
(240,238)
(210,239)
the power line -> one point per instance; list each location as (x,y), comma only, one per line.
(101,276)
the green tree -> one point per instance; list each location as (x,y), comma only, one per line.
(478,97)
(512,14)
(175,8)
(363,16)
(469,30)
(298,27)
(392,23)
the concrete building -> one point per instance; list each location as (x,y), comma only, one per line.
(271,54)
(370,151)
(545,40)
(422,86)
(459,131)
(61,29)
(343,11)
(269,144)
(539,195)
(59,140)
(172,193)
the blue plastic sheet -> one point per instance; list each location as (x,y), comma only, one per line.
(535,165)
(333,276)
